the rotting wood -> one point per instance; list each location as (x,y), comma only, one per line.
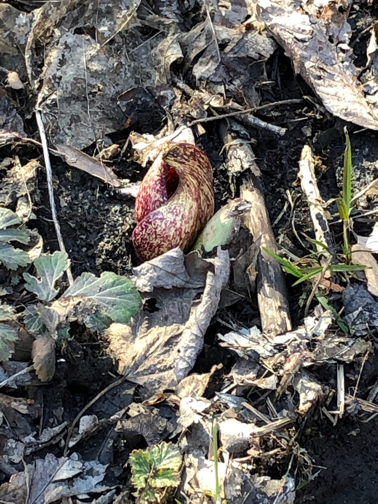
(271,288)
(316,203)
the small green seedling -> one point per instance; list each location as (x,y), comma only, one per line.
(155,472)
(306,273)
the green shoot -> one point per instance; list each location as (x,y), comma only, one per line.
(155,472)
(286,265)
(345,200)
(323,301)
(306,273)
(214,433)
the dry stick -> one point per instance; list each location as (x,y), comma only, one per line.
(315,202)
(251,120)
(271,288)
(50,187)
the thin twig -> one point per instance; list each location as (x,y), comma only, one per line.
(16,375)
(50,187)
(246,111)
(81,413)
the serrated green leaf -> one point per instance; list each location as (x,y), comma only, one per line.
(115,296)
(165,478)
(8,335)
(63,333)
(13,258)
(8,218)
(20,235)
(6,312)
(165,456)
(140,463)
(33,321)
(50,267)
(157,466)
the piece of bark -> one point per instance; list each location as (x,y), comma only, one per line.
(271,287)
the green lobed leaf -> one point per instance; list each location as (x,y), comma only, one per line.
(33,321)
(165,456)
(20,235)
(140,463)
(157,466)
(115,296)
(165,478)
(50,267)
(13,258)
(8,335)
(8,218)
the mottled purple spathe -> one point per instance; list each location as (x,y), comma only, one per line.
(165,223)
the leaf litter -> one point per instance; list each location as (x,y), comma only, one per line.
(166,322)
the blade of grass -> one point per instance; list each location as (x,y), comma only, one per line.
(347,174)
(287,266)
(312,273)
(346,267)
(324,302)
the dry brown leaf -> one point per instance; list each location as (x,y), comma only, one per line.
(361,255)
(316,36)
(172,269)
(160,349)
(51,479)
(43,355)
(74,157)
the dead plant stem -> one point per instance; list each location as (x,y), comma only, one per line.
(50,187)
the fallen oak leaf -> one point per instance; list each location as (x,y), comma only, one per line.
(175,201)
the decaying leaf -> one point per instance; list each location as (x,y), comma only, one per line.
(361,255)
(172,269)
(361,309)
(316,36)
(74,157)
(160,349)
(51,479)
(82,90)
(43,355)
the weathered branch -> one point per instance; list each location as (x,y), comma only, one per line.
(271,288)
